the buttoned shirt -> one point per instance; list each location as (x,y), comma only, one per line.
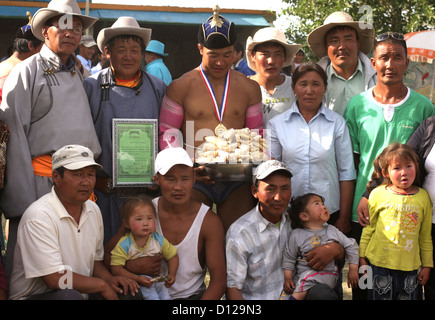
(341,90)
(254,251)
(318,153)
(87,63)
(50,240)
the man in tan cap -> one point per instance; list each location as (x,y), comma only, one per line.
(211,99)
(87,48)
(267,53)
(45,107)
(59,254)
(342,44)
(122,91)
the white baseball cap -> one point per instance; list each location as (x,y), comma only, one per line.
(73,157)
(170,157)
(264,169)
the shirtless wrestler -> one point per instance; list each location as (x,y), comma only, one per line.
(188,106)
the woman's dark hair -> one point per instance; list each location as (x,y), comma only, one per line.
(298,205)
(306,67)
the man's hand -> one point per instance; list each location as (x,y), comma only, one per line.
(127,285)
(319,257)
(145,265)
(202,176)
(363,212)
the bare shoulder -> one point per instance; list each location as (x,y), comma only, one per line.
(179,88)
(248,86)
(212,225)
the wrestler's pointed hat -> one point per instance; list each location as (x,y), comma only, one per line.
(217,32)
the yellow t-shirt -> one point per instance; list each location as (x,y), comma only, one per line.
(399,234)
(127,249)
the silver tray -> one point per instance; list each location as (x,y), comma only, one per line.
(229,171)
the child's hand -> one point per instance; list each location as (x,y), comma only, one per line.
(289,286)
(144,281)
(352,279)
(170,281)
(352,276)
(423,276)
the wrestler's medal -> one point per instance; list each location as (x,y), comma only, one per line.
(220,128)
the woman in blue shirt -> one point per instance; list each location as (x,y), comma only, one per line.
(314,142)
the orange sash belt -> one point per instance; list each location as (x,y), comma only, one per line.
(42,167)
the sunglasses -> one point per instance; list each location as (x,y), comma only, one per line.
(393,35)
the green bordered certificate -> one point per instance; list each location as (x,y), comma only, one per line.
(134,151)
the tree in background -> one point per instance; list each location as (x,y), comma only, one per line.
(402,16)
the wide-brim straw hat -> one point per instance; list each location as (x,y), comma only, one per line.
(270,34)
(123,26)
(316,39)
(56,8)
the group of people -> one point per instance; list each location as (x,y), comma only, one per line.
(334,128)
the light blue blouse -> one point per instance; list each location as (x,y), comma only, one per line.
(318,153)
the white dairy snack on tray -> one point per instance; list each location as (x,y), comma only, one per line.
(233,146)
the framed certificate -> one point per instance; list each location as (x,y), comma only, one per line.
(135,147)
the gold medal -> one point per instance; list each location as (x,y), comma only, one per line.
(220,129)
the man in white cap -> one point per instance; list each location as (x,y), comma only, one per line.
(87,48)
(207,101)
(255,242)
(45,107)
(154,54)
(342,44)
(122,91)
(59,253)
(190,225)
(267,53)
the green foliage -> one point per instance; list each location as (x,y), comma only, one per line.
(402,16)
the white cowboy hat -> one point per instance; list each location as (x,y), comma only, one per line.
(56,8)
(270,34)
(123,26)
(365,31)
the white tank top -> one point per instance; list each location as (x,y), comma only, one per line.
(190,275)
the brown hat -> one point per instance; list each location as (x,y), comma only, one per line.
(366,33)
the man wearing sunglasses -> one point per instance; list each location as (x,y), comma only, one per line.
(387,112)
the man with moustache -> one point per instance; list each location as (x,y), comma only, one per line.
(190,226)
(388,112)
(45,107)
(342,45)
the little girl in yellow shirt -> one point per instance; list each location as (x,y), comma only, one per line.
(397,243)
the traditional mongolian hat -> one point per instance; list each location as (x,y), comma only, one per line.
(217,32)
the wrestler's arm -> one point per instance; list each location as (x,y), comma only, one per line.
(213,233)
(172,114)
(254,112)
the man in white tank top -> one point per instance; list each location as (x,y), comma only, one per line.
(190,226)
